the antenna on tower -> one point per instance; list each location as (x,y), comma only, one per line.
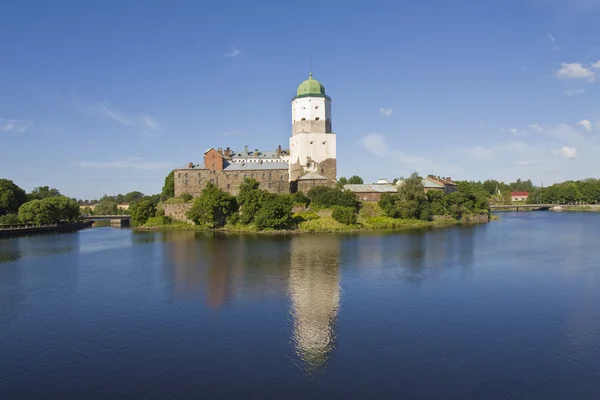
(310,65)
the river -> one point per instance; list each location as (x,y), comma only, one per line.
(510,309)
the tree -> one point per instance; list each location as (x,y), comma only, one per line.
(106,207)
(42,192)
(50,210)
(212,207)
(250,200)
(342,181)
(142,211)
(168,189)
(355,180)
(132,197)
(275,212)
(11,197)
(344,215)
(324,196)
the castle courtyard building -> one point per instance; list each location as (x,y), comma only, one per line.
(310,160)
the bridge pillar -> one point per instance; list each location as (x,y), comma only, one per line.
(119,223)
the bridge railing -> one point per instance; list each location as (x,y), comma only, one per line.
(10,227)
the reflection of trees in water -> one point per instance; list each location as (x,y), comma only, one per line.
(416,257)
(224,265)
(315,295)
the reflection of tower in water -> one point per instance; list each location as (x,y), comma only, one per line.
(315,295)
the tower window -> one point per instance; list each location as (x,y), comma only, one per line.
(316,107)
(303,119)
(322,170)
(311,142)
(324,142)
(316,119)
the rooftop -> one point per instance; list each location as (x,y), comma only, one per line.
(372,188)
(311,176)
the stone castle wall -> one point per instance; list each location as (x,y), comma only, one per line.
(194,180)
(177,211)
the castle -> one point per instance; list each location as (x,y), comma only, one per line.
(309,161)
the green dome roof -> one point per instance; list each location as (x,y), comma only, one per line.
(310,87)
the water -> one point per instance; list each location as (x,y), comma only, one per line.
(505,310)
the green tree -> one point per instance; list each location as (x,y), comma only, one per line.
(132,197)
(168,189)
(355,180)
(275,213)
(212,207)
(326,197)
(342,181)
(106,207)
(344,215)
(9,219)
(11,197)
(186,197)
(42,192)
(250,200)
(142,211)
(50,210)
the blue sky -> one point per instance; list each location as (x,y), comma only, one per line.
(108,97)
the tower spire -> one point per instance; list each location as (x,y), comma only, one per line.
(310,66)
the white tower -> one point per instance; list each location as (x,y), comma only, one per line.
(312,145)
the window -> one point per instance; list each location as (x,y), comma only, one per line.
(316,119)
(316,107)
(303,119)
(228,186)
(269,185)
(322,170)
(311,142)
(324,142)
(269,176)
(213,165)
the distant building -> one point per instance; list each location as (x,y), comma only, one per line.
(428,185)
(446,182)
(371,192)
(519,196)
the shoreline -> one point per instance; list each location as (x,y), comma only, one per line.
(29,230)
(327,225)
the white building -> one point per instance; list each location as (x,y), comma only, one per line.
(313,144)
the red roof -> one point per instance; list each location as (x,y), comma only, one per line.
(519,194)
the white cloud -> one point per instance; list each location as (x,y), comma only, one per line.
(233,52)
(565,152)
(585,124)
(376,144)
(575,71)
(574,92)
(596,64)
(146,123)
(552,40)
(12,125)
(514,132)
(128,163)
(386,112)
(536,127)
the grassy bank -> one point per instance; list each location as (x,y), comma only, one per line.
(370,218)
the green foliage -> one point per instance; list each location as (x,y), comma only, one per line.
(342,181)
(355,180)
(142,211)
(323,196)
(250,200)
(299,199)
(106,207)
(275,213)
(42,192)
(412,202)
(344,215)
(186,197)
(131,197)
(9,219)
(11,197)
(50,210)
(168,189)
(158,221)
(570,192)
(305,215)
(212,208)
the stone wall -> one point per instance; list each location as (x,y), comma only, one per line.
(306,184)
(177,211)
(194,180)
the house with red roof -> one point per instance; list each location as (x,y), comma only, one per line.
(519,196)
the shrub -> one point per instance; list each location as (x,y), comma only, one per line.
(344,215)
(275,213)
(186,197)
(9,219)
(50,210)
(158,221)
(324,196)
(142,211)
(212,207)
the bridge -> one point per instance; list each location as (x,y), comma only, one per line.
(115,220)
(521,206)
